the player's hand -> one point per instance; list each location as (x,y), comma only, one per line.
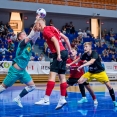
(79,68)
(70,52)
(38,16)
(67,65)
(85,61)
(59,58)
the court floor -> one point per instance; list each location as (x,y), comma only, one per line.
(8,108)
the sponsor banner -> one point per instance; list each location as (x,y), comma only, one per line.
(4,66)
(110,67)
(43,67)
(32,67)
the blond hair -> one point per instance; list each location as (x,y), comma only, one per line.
(87,43)
(40,20)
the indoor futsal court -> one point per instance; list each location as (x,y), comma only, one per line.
(105,107)
(41,40)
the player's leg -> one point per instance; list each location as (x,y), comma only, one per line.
(26,79)
(85,77)
(10,79)
(82,90)
(63,87)
(88,87)
(62,78)
(71,82)
(111,91)
(49,87)
(103,78)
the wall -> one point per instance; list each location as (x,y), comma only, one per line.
(109,23)
(59,20)
(4,16)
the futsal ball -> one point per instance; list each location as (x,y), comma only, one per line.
(41,12)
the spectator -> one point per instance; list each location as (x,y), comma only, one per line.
(51,23)
(10,58)
(102,40)
(13,37)
(4,58)
(11,46)
(3,50)
(67,28)
(88,30)
(80,32)
(10,29)
(111,31)
(113,59)
(112,39)
(41,58)
(84,34)
(72,29)
(63,30)
(106,58)
(104,32)
(36,58)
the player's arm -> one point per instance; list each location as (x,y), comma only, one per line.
(32,36)
(56,44)
(89,63)
(94,57)
(75,61)
(66,41)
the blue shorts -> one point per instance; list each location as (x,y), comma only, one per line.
(14,75)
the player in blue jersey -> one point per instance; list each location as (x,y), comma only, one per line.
(17,70)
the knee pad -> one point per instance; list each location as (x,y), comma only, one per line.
(2,89)
(30,88)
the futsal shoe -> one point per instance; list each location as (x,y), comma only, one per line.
(18,102)
(43,102)
(61,103)
(115,103)
(83,100)
(95,102)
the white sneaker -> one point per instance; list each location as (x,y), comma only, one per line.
(95,102)
(18,102)
(43,102)
(61,103)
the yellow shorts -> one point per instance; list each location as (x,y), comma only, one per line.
(101,77)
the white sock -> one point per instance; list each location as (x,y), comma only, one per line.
(2,89)
(18,97)
(84,97)
(62,97)
(46,97)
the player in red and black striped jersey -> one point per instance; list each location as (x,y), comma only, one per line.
(75,76)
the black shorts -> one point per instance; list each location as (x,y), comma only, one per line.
(72,81)
(59,66)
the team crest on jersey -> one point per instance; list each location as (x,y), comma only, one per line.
(28,49)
